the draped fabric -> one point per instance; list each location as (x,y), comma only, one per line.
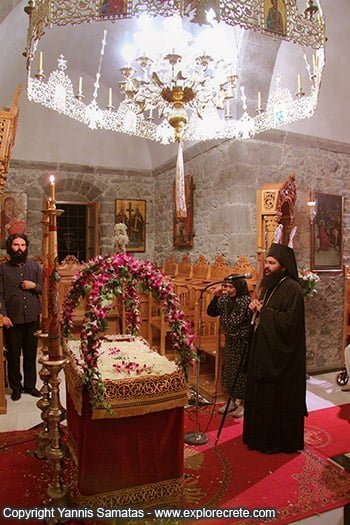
(275,401)
(114,454)
(180,197)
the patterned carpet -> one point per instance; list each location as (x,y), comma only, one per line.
(228,476)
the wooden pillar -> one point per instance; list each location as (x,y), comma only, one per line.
(275,205)
(8,126)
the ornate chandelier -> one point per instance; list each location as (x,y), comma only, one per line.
(182,79)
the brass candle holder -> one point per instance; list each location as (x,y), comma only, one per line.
(55,452)
(44,402)
(44,374)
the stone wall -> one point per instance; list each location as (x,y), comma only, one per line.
(226,177)
(82,184)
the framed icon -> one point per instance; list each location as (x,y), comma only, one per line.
(275,18)
(327,233)
(13,215)
(132,212)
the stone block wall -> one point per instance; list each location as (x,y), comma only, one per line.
(82,184)
(226,176)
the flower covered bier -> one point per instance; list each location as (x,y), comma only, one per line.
(99,281)
(122,358)
(308,281)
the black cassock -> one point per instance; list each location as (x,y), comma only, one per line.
(275,403)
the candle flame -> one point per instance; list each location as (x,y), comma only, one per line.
(52,179)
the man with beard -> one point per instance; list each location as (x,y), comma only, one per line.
(275,403)
(20,286)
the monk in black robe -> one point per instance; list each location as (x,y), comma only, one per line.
(275,403)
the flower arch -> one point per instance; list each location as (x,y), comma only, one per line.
(99,281)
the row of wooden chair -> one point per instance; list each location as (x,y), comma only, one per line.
(189,280)
(202,270)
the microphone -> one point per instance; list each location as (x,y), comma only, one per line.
(228,279)
(235,276)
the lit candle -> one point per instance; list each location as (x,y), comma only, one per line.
(110,97)
(80,88)
(299,84)
(52,188)
(40,61)
(259,99)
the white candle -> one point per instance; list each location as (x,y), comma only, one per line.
(80,88)
(52,188)
(110,97)
(40,61)
(259,99)
(299,83)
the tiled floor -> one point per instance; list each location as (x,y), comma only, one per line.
(323,392)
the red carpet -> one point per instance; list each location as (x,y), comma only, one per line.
(230,476)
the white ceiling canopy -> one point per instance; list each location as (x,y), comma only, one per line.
(180,88)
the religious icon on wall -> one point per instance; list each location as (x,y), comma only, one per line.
(133,214)
(183,226)
(327,233)
(13,215)
(199,10)
(114,7)
(275,16)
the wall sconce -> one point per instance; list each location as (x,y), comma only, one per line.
(312,208)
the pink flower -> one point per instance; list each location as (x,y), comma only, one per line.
(98,281)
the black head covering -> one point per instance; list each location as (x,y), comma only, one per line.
(285,256)
(240,284)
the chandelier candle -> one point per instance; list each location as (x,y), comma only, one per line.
(181,69)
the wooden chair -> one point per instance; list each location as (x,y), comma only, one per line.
(67,269)
(209,340)
(219,269)
(184,269)
(170,266)
(242,266)
(158,326)
(201,270)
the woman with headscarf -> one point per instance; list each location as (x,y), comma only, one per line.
(231,302)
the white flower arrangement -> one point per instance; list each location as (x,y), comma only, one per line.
(120,359)
(121,238)
(308,281)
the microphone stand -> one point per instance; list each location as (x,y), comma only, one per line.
(197,437)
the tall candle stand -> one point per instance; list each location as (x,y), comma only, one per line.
(55,451)
(44,374)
